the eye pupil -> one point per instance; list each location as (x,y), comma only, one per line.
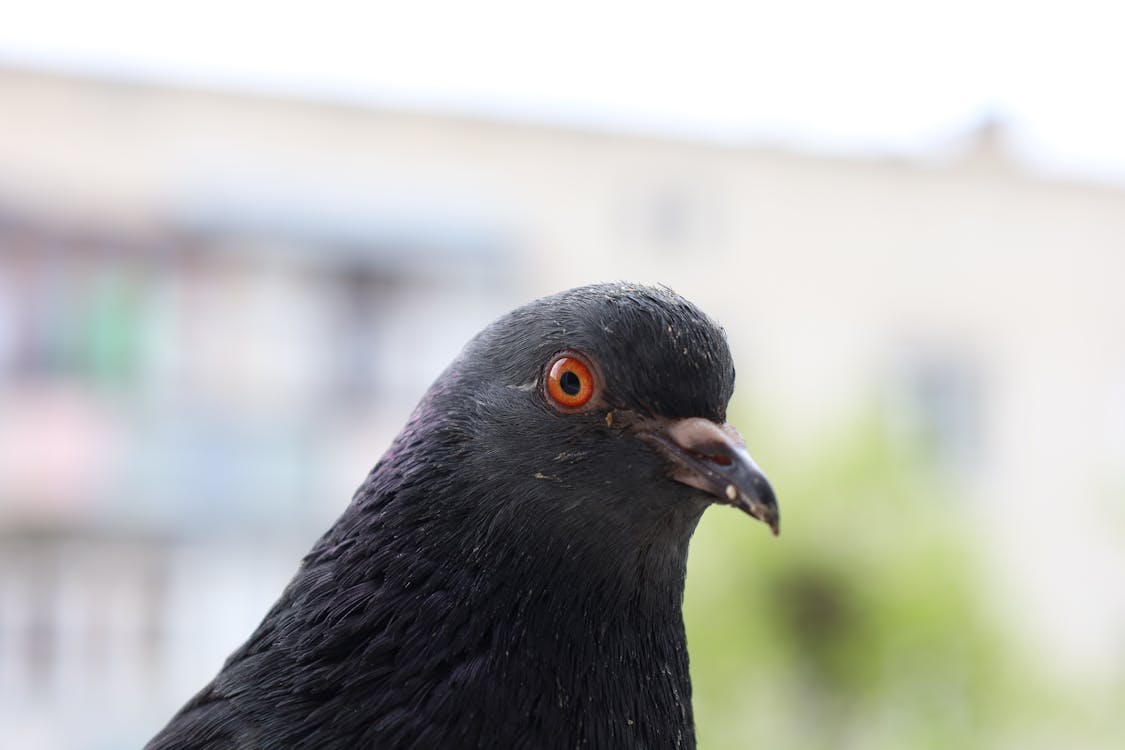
(570,383)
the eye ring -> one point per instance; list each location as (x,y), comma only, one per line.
(570,383)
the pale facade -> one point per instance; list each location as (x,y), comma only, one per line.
(310,267)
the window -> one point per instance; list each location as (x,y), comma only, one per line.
(937,404)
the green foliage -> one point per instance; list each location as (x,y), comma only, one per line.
(862,626)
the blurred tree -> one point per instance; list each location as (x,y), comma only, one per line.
(862,626)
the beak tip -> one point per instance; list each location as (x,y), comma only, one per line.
(769,516)
(761,503)
(760,508)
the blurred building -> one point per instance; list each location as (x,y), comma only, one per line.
(217,308)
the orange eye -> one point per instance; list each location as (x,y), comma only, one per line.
(570,384)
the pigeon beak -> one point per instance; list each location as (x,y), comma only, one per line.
(713,458)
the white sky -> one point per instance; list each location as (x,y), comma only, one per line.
(880,76)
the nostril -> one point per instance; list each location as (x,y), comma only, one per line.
(721,459)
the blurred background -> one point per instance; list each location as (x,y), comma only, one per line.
(238,240)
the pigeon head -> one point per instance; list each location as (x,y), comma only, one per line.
(600,412)
(511,572)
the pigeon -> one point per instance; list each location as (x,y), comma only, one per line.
(511,573)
